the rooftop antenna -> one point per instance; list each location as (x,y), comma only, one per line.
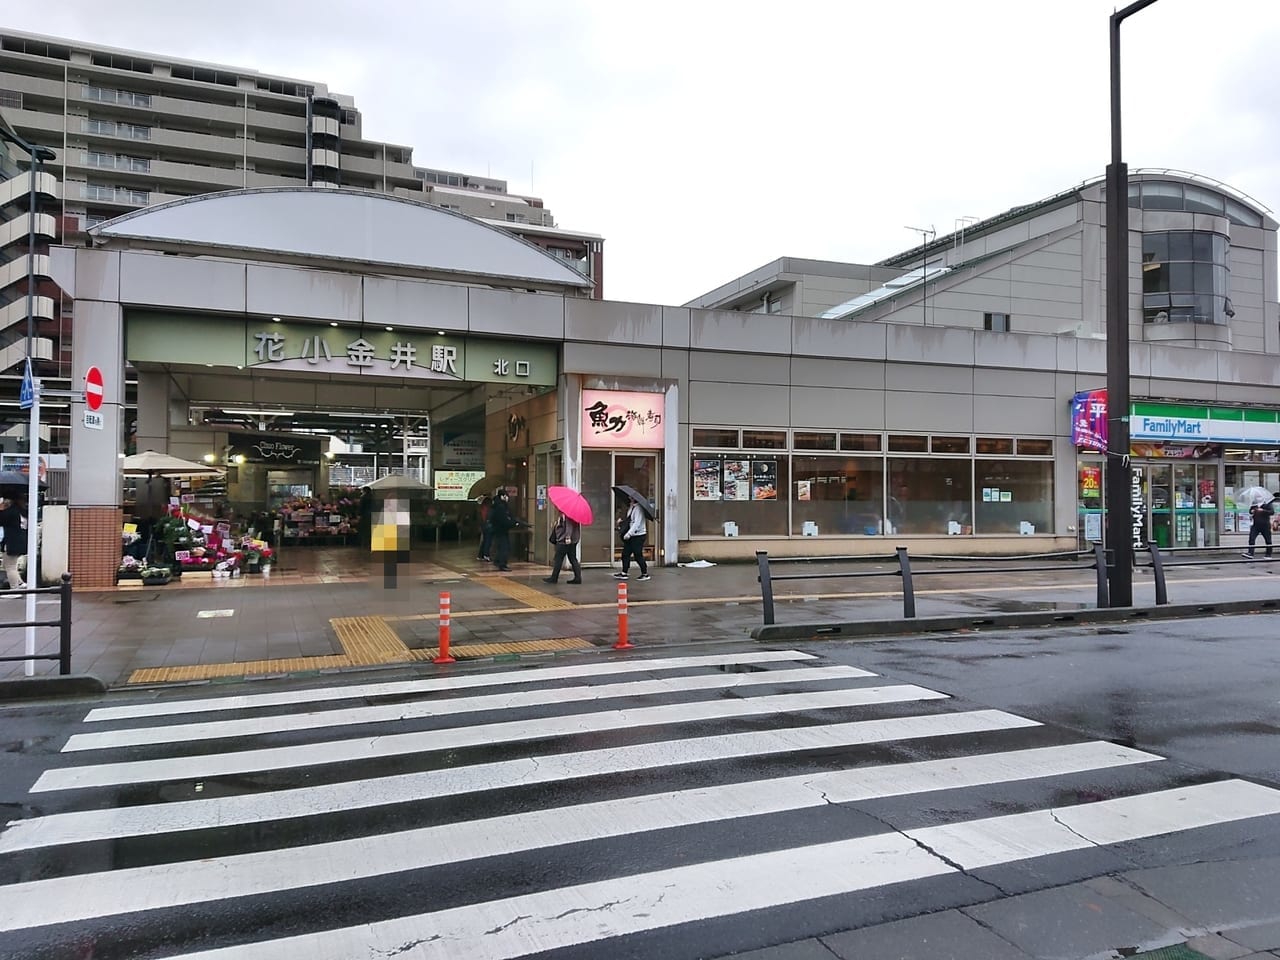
(927,235)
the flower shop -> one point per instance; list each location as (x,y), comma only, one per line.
(185,542)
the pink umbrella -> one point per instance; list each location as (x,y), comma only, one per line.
(571,503)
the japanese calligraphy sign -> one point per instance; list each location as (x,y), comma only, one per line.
(613,418)
(409,353)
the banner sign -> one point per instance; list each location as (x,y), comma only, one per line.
(1089,419)
(613,418)
(274,449)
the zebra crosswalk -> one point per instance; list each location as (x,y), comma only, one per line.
(638,807)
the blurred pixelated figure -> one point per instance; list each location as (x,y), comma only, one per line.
(390,537)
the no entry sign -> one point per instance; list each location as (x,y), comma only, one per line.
(93,388)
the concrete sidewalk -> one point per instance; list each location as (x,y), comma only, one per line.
(256,626)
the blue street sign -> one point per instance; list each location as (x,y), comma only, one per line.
(27,396)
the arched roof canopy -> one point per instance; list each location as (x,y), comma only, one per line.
(373,230)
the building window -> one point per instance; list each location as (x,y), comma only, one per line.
(739,492)
(106,128)
(1013,496)
(908,443)
(134,131)
(808,440)
(837,495)
(715,438)
(861,442)
(1185,278)
(997,322)
(764,439)
(950,444)
(1167,195)
(10,99)
(995,446)
(929,496)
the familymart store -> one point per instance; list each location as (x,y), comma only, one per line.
(1187,464)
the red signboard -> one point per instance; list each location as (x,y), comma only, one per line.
(93,388)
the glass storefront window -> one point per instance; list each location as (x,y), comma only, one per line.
(927,496)
(837,495)
(749,491)
(1014,496)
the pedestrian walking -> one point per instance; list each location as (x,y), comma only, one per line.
(1260,525)
(501,521)
(565,535)
(13,521)
(633,542)
(486,529)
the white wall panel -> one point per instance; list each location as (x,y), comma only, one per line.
(503,313)
(294,292)
(152,279)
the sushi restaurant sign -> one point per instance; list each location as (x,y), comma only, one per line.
(614,418)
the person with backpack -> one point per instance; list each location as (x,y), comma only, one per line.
(1260,526)
(565,535)
(501,521)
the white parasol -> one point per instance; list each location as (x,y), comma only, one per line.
(152,464)
(1253,497)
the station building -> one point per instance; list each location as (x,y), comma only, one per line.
(805,408)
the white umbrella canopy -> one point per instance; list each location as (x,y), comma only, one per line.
(1254,496)
(395,481)
(152,464)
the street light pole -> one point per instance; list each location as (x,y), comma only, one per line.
(1124,512)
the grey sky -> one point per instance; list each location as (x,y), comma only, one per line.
(705,138)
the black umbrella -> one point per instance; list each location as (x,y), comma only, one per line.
(632,493)
(16,478)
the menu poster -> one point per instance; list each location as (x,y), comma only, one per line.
(802,490)
(737,480)
(764,480)
(706,480)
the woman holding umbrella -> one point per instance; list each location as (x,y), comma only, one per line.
(13,520)
(567,531)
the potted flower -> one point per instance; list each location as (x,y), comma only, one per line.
(130,569)
(155,576)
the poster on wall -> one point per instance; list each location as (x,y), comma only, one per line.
(803,490)
(764,480)
(737,480)
(706,480)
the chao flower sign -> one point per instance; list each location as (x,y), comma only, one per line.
(612,418)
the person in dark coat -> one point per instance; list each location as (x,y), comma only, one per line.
(486,529)
(1260,527)
(565,535)
(501,520)
(13,520)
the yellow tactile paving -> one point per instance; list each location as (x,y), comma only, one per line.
(368,640)
(469,651)
(525,594)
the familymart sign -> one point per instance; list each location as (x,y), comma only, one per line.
(1177,422)
(1159,421)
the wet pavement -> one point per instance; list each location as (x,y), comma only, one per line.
(338,614)
(1080,792)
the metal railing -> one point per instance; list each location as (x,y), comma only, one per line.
(63,623)
(1163,560)
(1014,564)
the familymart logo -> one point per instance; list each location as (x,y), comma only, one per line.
(1172,428)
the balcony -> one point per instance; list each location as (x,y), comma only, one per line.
(18,229)
(17,190)
(15,354)
(15,271)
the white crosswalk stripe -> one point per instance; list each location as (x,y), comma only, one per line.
(717,793)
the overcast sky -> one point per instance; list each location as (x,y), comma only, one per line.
(703,139)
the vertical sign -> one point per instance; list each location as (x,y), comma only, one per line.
(1137,508)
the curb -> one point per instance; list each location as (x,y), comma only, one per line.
(997,621)
(42,688)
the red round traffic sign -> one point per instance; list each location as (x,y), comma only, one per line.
(93,388)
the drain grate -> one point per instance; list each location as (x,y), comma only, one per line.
(1178,951)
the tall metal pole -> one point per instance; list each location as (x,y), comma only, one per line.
(1124,516)
(32,175)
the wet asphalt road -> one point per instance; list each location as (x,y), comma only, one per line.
(1202,694)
